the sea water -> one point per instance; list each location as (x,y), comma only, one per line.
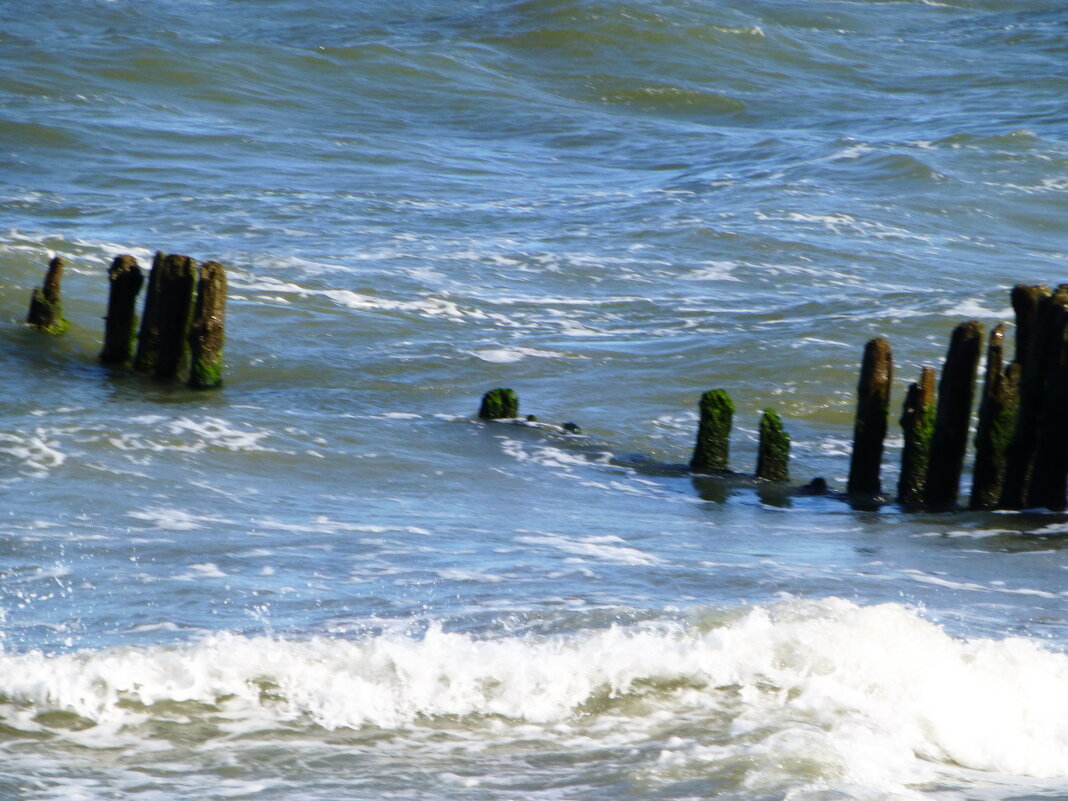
(327,579)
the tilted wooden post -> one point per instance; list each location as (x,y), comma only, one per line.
(712,451)
(46,308)
(499,404)
(869,428)
(773,454)
(125,279)
(997,421)
(917,425)
(956,389)
(208,331)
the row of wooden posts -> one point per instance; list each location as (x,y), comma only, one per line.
(1021,439)
(182,328)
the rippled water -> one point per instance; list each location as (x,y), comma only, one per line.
(328,580)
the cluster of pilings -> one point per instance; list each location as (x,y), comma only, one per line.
(182,328)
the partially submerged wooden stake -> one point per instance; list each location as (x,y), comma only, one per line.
(773,454)
(917,425)
(125,279)
(712,450)
(869,428)
(208,331)
(46,309)
(148,337)
(499,404)
(956,389)
(997,420)
(1049,476)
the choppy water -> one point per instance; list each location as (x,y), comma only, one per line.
(327,580)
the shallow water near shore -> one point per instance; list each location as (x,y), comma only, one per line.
(327,579)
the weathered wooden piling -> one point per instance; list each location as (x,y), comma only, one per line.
(997,421)
(1025,437)
(499,404)
(208,331)
(917,425)
(163,343)
(1026,301)
(1049,477)
(125,279)
(956,390)
(712,450)
(773,453)
(869,427)
(46,308)
(148,336)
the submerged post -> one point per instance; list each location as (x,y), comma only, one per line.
(917,425)
(163,348)
(1049,477)
(499,404)
(773,454)
(125,279)
(46,309)
(208,331)
(997,420)
(711,453)
(148,337)
(956,390)
(869,428)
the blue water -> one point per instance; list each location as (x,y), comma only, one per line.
(328,579)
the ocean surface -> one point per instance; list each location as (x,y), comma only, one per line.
(329,580)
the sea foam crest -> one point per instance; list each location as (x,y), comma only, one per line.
(861,689)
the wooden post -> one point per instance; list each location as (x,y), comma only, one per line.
(148,337)
(917,424)
(174,314)
(956,389)
(208,331)
(125,279)
(773,454)
(1026,301)
(1022,448)
(499,404)
(1049,476)
(869,428)
(712,451)
(997,420)
(46,309)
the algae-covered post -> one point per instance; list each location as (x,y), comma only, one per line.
(997,419)
(499,404)
(956,389)
(712,451)
(208,331)
(869,428)
(125,280)
(46,309)
(917,425)
(1050,473)
(773,454)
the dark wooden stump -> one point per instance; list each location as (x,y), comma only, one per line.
(208,331)
(148,337)
(956,390)
(46,309)
(917,425)
(869,428)
(1026,301)
(773,454)
(997,421)
(499,404)
(712,451)
(125,279)
(1049,476)
(177,290)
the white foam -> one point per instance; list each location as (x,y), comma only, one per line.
(510,355)
(817,695)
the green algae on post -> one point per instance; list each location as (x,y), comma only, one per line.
(46,309)
(997,420)
(956,389)
(125,280)
(208,331)
(773,453)
(499,404)
(917,425)
(712,451)
(869,428)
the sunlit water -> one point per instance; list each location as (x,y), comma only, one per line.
(328,580)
